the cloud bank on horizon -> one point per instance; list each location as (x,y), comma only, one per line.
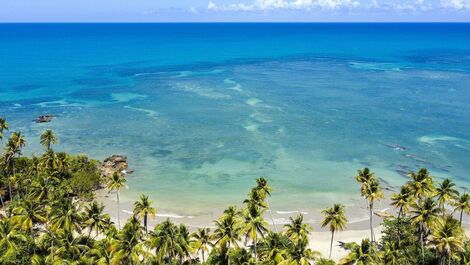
(233,10)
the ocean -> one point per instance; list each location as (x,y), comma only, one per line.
(202,110)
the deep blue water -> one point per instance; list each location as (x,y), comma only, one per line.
(203,109)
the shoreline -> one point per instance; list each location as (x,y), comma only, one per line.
(319,239)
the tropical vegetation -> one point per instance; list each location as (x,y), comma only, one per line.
(49,215)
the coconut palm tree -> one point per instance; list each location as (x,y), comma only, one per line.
(48,138)
(273,249)
(265,191)
(300,253)
(462,204)
(164,239)
(10,238)
(13,149)
(127,248)
(66,215)
(448,239)
(424,214)
(28,213)
(335,218)
(95,218)
(372,192)
(143,208)
(445,193)
(3,127)
(254,225)
(297,229)
(402,201)
(117,182)
(421,184)
(363,254)
(203,241)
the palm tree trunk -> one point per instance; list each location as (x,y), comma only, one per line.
(422,241)
(1,200)
(203,260)
(119,221)
(399,225)
(271,214)
(371,206)
(145,223)
(443,211)
(331,243)
(461,215)
(254,247)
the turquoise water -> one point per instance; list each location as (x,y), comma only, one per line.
(201,110)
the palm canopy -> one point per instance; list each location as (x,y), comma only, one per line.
(48,138)
(448,238)
(462,204)
(116,182)
(421,183)
(143,207)
(297,229)
(402,200)
(446,192)
(335,218)
(363,254)
(3,127)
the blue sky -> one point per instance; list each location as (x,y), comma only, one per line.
(233,10)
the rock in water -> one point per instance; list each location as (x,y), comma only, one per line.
(114,163)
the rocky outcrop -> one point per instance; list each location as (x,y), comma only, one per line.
(114,163)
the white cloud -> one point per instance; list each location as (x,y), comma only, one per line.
(193,10)
(456,4)
(266,5)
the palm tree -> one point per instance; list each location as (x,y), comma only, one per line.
(445,193)
(13,149)
(254,225)
(462,204)
(226,233)
(421,184)
(48,138)
(297,229)
(127,248)
(203,241)
(448,239)
(66,215)
(10,238)
(3,127)
(95,219)
(372,192)
(300,253)
(424,214)
(117,182)
(363,254)
(336,219)
(164,239)
(265,191)
(143,208)
(401,201)
(273,249)
(27,214)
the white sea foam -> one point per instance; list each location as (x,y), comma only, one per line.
(251,127)
(290,212)
(205,92)
(183,74)
(60,103)
(126,97)
(234,85)
(375,66)
(260,117)
(150,113)
(434,139)
(253,101)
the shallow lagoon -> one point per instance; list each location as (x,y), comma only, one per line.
(201,112)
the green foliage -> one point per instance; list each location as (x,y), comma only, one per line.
(51,218)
